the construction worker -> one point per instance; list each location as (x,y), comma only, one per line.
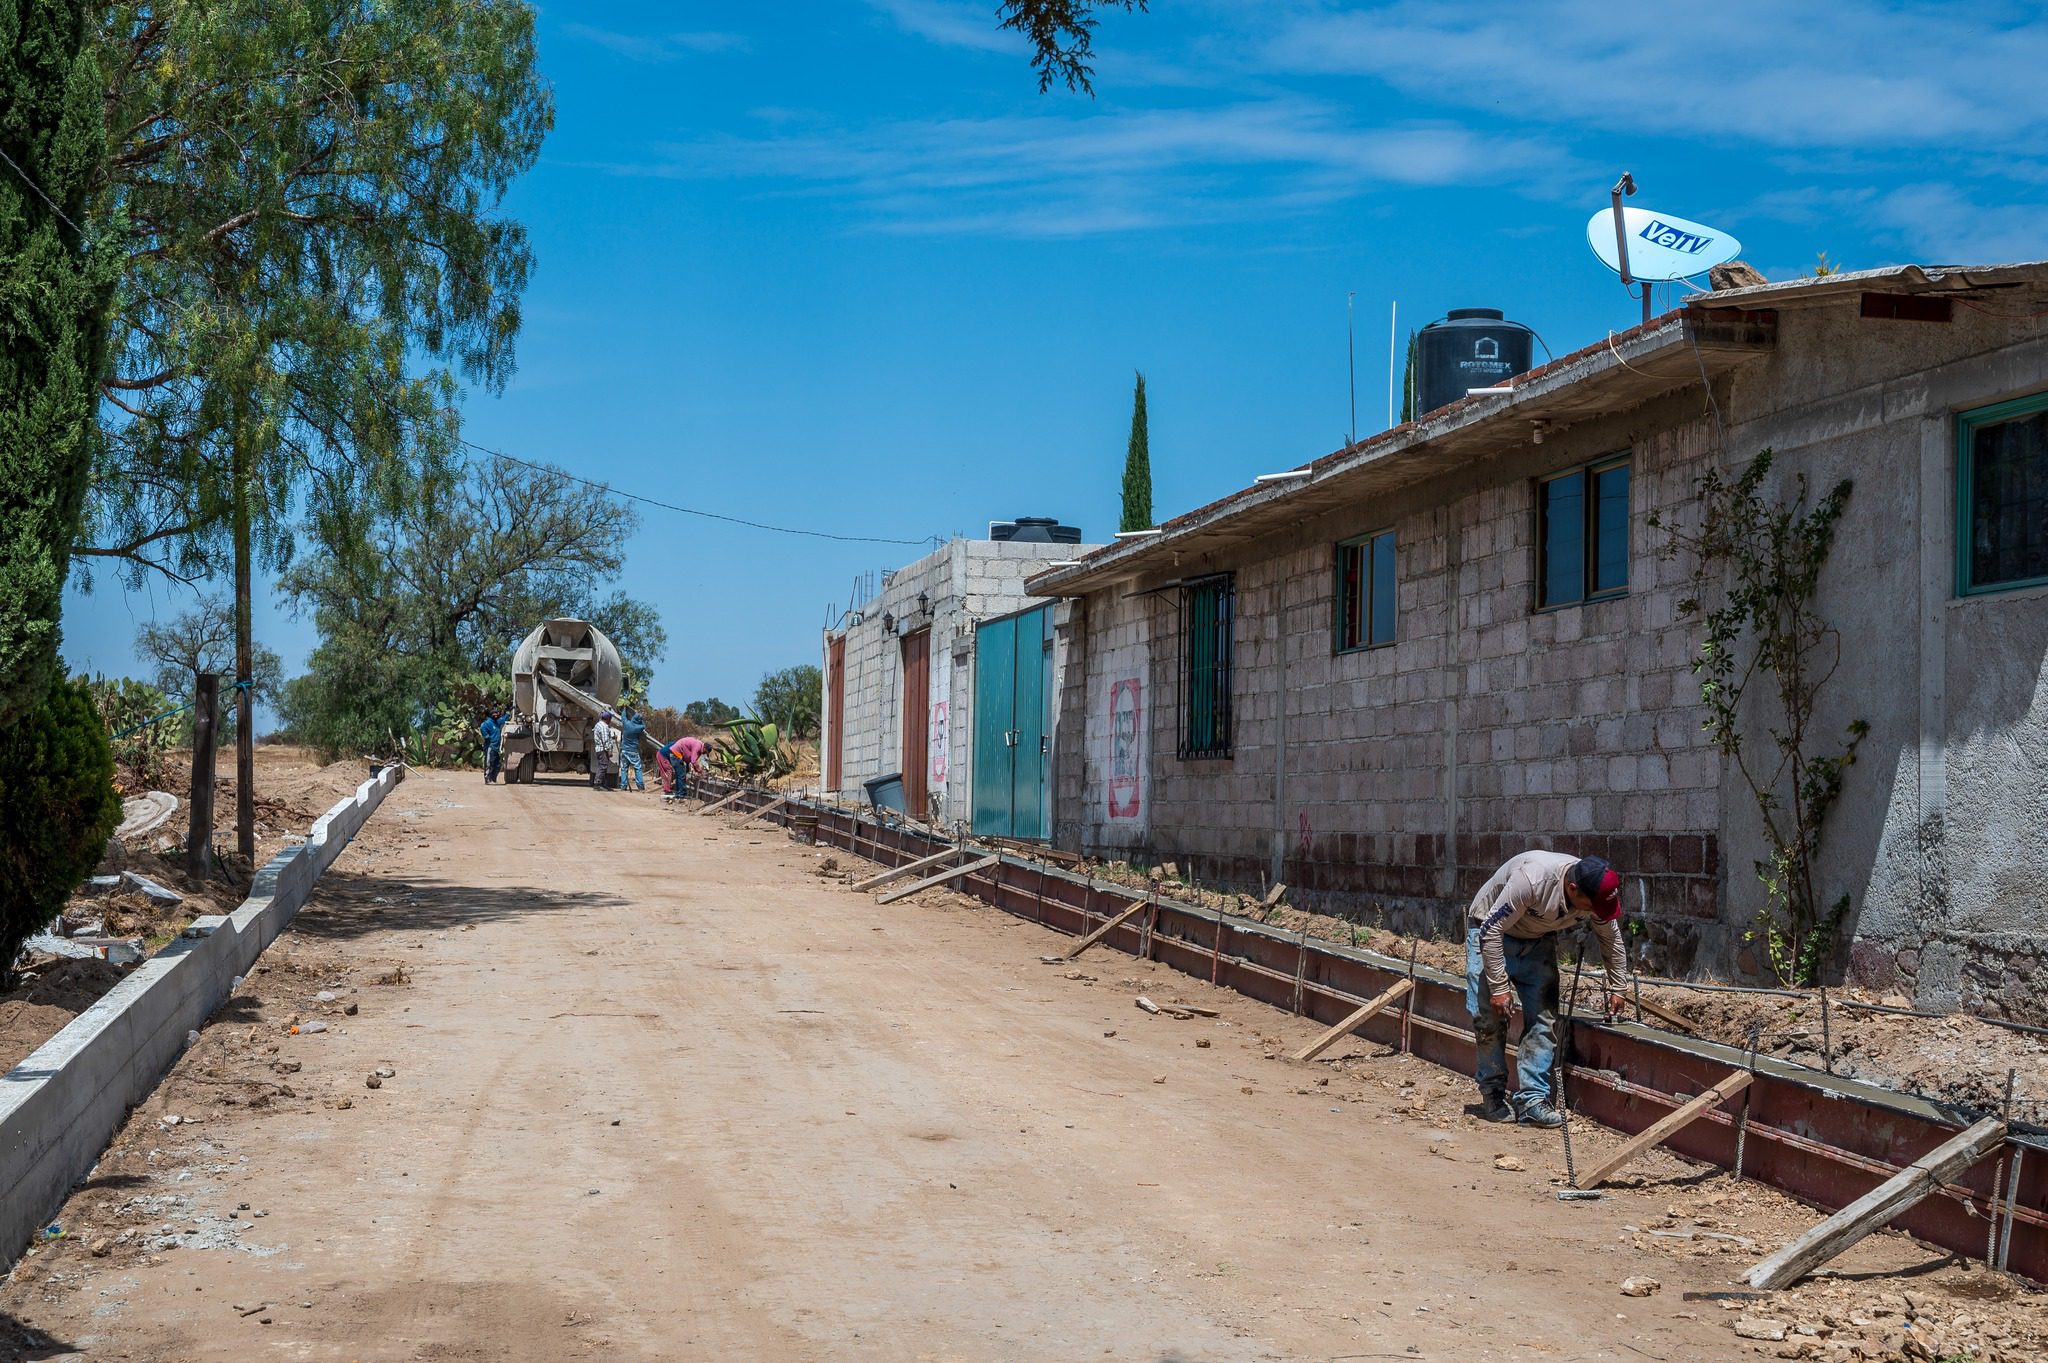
(632,727)
(492,728)
(604,750)
(1511,965)
(685,755)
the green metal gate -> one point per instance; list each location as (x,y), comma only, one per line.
(1013,725)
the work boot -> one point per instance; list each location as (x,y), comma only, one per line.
(1493,1107)
(1538,1113)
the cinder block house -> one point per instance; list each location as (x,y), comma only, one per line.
(1381,675)
(947,678)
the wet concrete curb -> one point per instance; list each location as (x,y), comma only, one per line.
(60,1106)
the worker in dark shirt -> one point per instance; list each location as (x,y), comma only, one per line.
(492,728)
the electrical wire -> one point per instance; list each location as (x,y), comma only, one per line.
(611,491)
(41,195)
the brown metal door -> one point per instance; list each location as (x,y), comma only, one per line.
(917,719)
(835,709)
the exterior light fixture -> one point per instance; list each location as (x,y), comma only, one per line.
(1138,534)
(1283,477)
(924,603)
(888,622)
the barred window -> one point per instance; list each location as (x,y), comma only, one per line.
(2002,497)
(1208,612)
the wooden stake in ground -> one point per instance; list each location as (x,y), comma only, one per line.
(1092,938)
(1673,1122)
(767,809)
(205,725)
(941,878)
(1872,1210)
(907,868)
(1353,1020)
(721,804)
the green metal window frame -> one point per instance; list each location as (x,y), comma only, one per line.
(1365,546)
(1589,532)
(1967,425)
(1208,619)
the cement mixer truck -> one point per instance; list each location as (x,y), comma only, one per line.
(564,676)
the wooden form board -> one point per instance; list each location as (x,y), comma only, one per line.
(907,868)
(1111,926)
(721,804)
(766,809)
(1659,1132)
(1353,1020)
(941,878)
(1872,1210)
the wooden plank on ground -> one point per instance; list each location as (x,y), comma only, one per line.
(1872,1210)
(1668,1018)
(1092,938)
(907,868)
(1357,1016)
(1668,1125)
(953,873)
(721,804)
(767,809)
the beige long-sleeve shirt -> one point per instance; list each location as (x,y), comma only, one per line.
(1525,899)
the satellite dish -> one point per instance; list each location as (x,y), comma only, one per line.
(1660,246)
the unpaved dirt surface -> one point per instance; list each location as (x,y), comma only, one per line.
(1959,1061)
(292,790)
(654,1085)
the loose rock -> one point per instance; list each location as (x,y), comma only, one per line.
(1760,1327)
(1639,1287)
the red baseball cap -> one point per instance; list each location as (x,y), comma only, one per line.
(1600,883)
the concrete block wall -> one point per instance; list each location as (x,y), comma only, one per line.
(61,1105)
(966,582)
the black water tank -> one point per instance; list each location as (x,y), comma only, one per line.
(1034,530)
(1469,348)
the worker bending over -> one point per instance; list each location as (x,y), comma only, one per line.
(1511,965)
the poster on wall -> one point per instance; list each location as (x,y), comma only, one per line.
(941,743)
(1126,744)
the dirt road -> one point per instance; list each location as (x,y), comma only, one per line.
(661,1092)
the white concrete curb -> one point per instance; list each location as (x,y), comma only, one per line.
(60,1107)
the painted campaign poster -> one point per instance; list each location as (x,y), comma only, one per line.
(941,741)
(1126,748)
(939,733)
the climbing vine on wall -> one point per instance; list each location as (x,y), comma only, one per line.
(1757,564)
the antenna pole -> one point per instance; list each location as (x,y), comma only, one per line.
(1393,330)
(1351,362)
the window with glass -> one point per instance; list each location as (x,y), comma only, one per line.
(1365,591)
(2002,497)
(1582,534)
(1208,615)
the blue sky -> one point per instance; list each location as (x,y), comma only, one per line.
(840,266)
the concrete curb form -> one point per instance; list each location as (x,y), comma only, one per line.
(60,1106)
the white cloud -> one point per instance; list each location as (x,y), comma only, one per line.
(657,47)
(1798,73)
(1108,171)
(951,23)
(1939,225)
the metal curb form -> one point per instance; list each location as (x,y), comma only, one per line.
(60,1106)
(1822,1138)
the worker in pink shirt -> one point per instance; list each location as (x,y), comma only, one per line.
(685,755)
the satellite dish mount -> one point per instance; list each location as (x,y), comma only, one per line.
(1626,185)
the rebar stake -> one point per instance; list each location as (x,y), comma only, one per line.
(1742,1121)
(1827,1048)
(1408,1000)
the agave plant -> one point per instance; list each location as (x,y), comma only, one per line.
(752,748)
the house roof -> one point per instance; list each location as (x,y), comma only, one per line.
(1709,335)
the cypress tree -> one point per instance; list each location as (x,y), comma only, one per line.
(1408,382)
(1138,467)
(53,295)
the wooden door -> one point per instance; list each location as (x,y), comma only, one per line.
(835,709)
(917,721)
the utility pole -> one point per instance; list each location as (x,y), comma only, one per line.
(1351,360)
(245,719)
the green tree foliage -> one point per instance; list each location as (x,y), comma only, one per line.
(1408,378)
(126,707)
(56,273)
(57,810)
(1138,466)
(792,698)
(1757,564)
(707,713)
(312,258)
(1062,34)
(411,600)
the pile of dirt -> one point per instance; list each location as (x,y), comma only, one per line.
(47,997)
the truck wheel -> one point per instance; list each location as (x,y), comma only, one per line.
(523,773)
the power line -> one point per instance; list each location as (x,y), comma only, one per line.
(611,491)
(41,195)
